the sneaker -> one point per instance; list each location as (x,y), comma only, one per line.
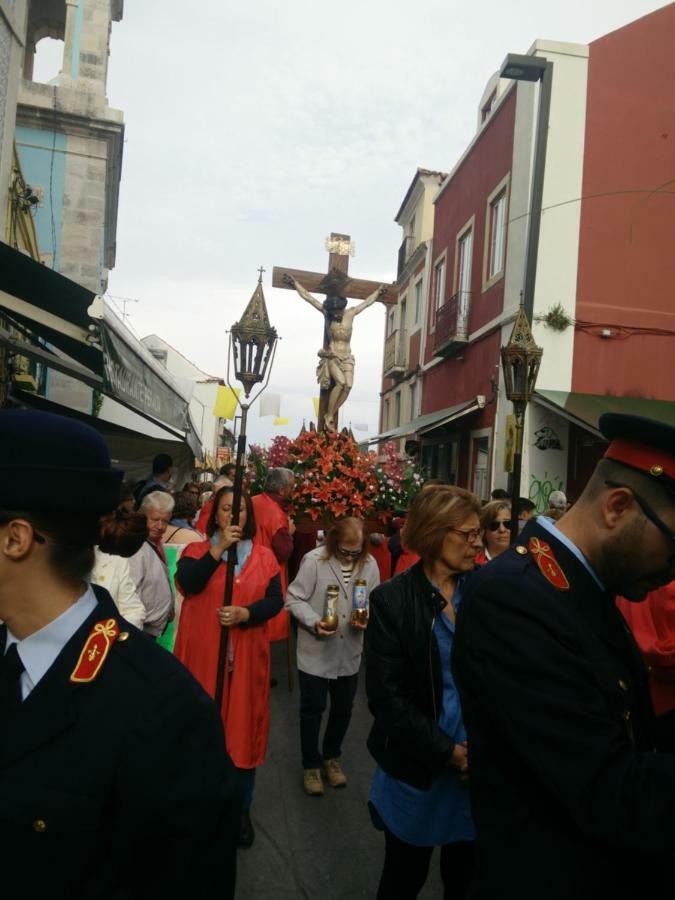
(312,782)
(246,831)
(336,777)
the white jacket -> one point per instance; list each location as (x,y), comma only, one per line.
(112,573)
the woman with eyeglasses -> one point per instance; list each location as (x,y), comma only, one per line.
(329,657)
(495,521)
(418,796)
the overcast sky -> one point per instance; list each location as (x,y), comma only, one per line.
(255,129)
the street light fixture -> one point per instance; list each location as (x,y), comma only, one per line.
(252,345)
(533,69)
(521,359)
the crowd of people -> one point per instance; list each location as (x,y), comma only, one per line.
(512,712)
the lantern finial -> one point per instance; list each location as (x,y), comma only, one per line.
(253,340)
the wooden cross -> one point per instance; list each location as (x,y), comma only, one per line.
(339,248)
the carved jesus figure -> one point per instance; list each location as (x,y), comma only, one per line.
(335,371)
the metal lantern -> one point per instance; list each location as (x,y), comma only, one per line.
(253,341)
(521,359)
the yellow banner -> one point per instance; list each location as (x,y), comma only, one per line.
(280,421)
(509,442)
(315,401)
(226,402)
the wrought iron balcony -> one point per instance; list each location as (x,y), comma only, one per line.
(452,324)
(405,251)
(395,354)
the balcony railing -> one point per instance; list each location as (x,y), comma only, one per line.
(405,251)
(452,324)
(395,353)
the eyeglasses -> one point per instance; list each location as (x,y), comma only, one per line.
(648,513)
(494,526)
(352,554)
(469,536)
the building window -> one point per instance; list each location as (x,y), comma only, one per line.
(497,234)
(390,322)
(464,248)
(397,409)
(385,415)
(413,400)
(418,302)
(439,285)
(404,314)
(480,458)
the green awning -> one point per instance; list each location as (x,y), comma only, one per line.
(429,421)
(585,409)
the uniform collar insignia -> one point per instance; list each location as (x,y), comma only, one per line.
(96,648)
(548,564)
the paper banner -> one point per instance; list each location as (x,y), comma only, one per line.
(226,402)
(315,401)
(270,405)
(509,442)
(280,421)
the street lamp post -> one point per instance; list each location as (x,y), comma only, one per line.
(521,359)
(252,346)
(533,68)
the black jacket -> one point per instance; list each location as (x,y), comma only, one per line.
(404,681)
(568,797)
(119,788)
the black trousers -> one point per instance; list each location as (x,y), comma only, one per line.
(314,693)
(406,868)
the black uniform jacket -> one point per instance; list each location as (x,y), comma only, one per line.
(569,799)
(404,679)
(117,788)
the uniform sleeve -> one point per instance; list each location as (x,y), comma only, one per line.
(300,591)
(389,700)
(525,680)
(178,813)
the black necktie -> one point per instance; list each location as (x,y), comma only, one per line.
(11,668)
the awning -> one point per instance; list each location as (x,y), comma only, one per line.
(79,336)
(130,450)
(424,424)
(585,409)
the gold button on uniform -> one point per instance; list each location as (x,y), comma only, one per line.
(626,715)
(520,549)
(656,470)
(123,636)
(40,826)
(623,685)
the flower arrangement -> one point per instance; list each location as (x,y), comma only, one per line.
(335,479)
(399,480)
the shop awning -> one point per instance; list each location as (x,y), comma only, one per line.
(422,425)
(585,409)
(67,327)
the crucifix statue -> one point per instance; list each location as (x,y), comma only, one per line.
(335,372)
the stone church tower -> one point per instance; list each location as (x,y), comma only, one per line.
(70,141)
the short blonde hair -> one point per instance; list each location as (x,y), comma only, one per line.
(491,510)
(344,529)
(434,511)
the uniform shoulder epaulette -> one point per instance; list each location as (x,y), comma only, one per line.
(96,648)
(548,564)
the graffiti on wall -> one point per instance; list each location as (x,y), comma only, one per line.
(541,489)
(547,439)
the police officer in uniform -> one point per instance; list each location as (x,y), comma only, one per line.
(569,798)
(114,779)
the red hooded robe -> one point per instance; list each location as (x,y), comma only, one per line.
(269,518)
(245,710)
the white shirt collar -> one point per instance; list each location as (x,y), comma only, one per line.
(39,650)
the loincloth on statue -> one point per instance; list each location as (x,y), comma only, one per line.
(323,376)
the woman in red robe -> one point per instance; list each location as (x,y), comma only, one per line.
(256,599)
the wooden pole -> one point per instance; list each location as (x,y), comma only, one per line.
(231,555)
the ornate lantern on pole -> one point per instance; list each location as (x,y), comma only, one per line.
(521,359)
(252,345)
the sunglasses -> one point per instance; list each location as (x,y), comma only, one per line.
(352,554)
(648,512)
(494,526)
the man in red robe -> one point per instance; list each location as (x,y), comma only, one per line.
(275,530)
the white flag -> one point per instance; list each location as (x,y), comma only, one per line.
(270,404)
(360,428)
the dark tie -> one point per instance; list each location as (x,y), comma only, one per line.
(11,668)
